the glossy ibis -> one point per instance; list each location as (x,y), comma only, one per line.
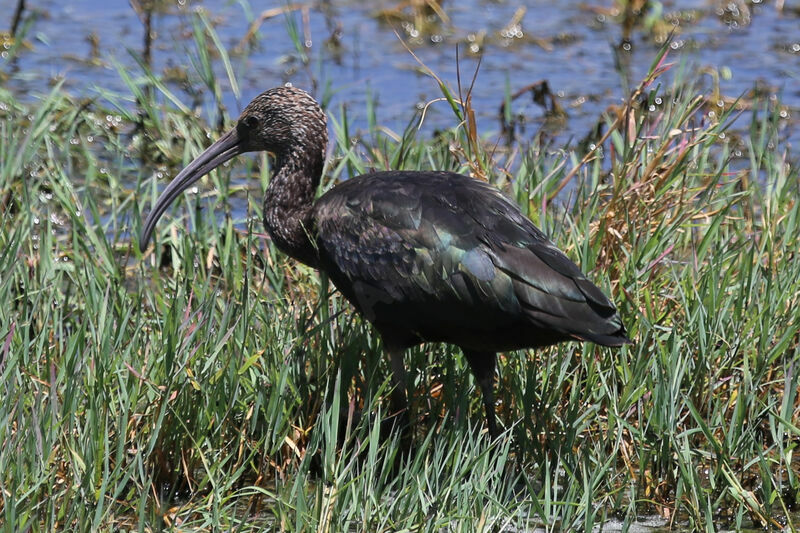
(424,256)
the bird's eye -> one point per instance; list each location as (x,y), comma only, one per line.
(251,121)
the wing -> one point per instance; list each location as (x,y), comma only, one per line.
(441,254)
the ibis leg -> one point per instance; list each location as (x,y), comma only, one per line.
(483,365)
(399,397)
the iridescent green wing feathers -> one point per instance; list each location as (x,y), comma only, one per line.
(438,238)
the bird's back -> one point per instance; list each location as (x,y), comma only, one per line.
(438,256)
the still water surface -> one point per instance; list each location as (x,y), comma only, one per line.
(352,49)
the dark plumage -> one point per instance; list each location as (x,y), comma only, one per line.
(424,256)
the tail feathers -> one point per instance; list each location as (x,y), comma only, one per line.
(581,322)
(594,296)
(619,338)
(556,296)
(602,328)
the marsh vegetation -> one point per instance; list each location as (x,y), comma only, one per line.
(202,384)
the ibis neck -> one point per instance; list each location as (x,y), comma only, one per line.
(288,204)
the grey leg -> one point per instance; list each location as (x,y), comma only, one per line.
(483,365)
(399,397)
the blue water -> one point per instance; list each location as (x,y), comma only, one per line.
(570,44)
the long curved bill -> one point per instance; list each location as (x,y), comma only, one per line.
(227,147)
